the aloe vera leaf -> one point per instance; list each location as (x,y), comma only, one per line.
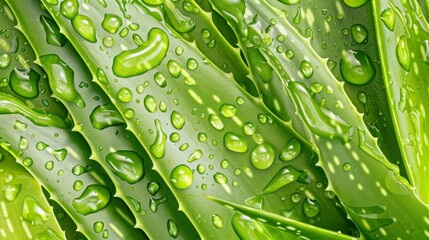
(339,30)
(58,159)
(207,38)
(302,230)
(374,187)
(17,68)
(403,51)
(21,196)
(133,185)
(197,105)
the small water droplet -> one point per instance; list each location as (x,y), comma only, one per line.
(174,68)
(181,177)
(216,122)
(150,103)
(60,154)
(155,202)
(5,60)
(104,116)
(192,64)
(153,188)
(177,120)
(158,147)
(228,110)
(249,129)
(172,229)
(195,155)
(78,185)
(217,221)
(311,207)
(359,33)
(307,69)
(98,226)
(160,79)
(403,53)
(11,191)
(124,95)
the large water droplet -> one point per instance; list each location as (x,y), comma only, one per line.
(84,27)
(181,177)
(127,165)
(148,55)
(33,213)
(403,53)
(388,18)
(356,67)
(291,150)
(262,156)
(25,83)
(158,147)
(235,142)
(104,116)
(111,23)
(92,199)
(52,31)
(61,79)
(69,8)
(283,177)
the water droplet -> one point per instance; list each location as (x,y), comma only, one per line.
(172,229)
(158,147)
(228,110)
(347,167)
(49,165)
(33,213)
(27,162)
(111,23)
(297,18)
(69,8)
(92,199)
(291,150)
(249,129)
(356,67)
(52,2)
(403,53)
(183,147)
(11,191)
(104,116)
(195,155)
(307,69)
(177,120)
(60,154)
(235,142)
(25,82)
(220,178)
(4,60)
(217,221)
(355,3)
(295,197)
(98,226)
(192,64)
(216,122)
(160,79)
(311,207)
(174,68)
(23,143)
(359,33)
(108,42)
(201,169)
(77,185)
(84,27)
(41,146)
(262,156)
(153,188)
(388,18)
(129,113)
(61,79)
(202,137)
(52,31)
(148,55)
(155,202)
(362,97)
(127,165)
(124,95)
(181,177)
